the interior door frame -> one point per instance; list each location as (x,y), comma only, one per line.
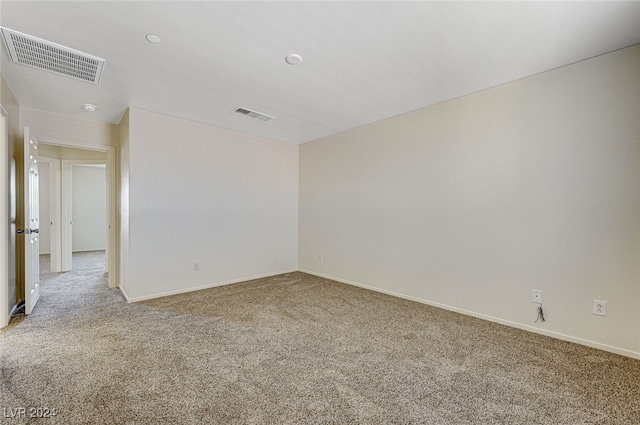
(55,216)
(4,219)
(112,247)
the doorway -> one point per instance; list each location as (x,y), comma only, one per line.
(88,206)
(77,209)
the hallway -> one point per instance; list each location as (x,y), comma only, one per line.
(64,290)
(88,263)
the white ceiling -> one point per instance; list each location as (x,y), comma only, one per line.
(363,61)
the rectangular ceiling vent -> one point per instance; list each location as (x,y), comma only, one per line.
(32,51)
(253,114)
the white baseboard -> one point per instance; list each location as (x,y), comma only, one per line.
(88,250)
(124,294)
(557,335)
(200,287)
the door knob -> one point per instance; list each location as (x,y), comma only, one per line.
(27,231)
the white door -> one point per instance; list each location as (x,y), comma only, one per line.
(5,216)
(31,229)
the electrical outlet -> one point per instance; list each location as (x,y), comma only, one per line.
(600,307)
(319,257)
(536,296)
(196,267)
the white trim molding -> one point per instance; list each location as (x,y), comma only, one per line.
(200,287)
(55,217)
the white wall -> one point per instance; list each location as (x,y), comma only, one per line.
(61,152)
(51,127)
(202,194)
(89,209)
(10,284)
(472,203)
(44,175)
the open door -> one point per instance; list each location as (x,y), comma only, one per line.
(5,216)
(31,205)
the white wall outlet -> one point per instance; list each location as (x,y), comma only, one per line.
(319,257)
(196,267)
(600,307)
(536,296)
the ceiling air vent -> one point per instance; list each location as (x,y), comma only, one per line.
(253,114)
(42,54)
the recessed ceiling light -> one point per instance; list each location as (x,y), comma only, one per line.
(153,38)
(293,59)
(89,107)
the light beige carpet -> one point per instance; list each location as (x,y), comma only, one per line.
(295,349)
